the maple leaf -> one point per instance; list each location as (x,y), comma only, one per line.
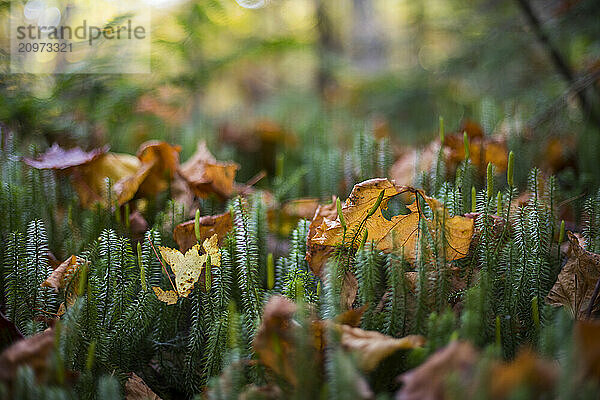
(390,229)
(205,175)
(575,283)
(317,254)
(187,268)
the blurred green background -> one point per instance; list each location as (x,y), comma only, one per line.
(300,80)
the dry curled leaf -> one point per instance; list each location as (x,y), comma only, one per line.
(58,158)
(371,347)
(349,290)
(187,267)
(389,229)
(136,389)
(575,283)
(317,254)
(351,317)
(210,225)
(428,381)
(205,175)
(32,351)
(56,280)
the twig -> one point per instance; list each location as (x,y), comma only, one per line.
(557,59)
(163,266)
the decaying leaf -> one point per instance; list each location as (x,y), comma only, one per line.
(131,176)
(317,254)
(166,296)
(58,158)
(187,267)
(32,351)
(575,284)
(89,179)
(371,347)
(210,225)
(205,175)
(526,370)
(351,317)
(429,380)
(136,389)
(56,280)
(348,291)
(400,230)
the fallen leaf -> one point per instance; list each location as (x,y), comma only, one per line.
(89,179)
(166,296)
(33,351)
(56,280)
(351,317)
(575,283)
(159,161)
(136,389)
(316,254)
(526,370)
(401,230)
(58,158)
(274,340)
(348,291)
(428,381)
(205,175)
(210,225)
(188,267)
(371,347)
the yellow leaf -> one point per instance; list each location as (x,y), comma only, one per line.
(396,231)
(169,296)
(186,267)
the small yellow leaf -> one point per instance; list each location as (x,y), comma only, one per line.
(169,296)
(210,247)
(186,267)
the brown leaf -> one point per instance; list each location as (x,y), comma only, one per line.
(9,333)
(428,381)
(526,370)
(274,340)
(400,230)
(159,161)
(351,317)
(372,347)
(89,179)
(32,351)
(205,175)
(56,280)
(58,158)
(210,225)
(575,284)
(348,291)
(136,389)
(316,254)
